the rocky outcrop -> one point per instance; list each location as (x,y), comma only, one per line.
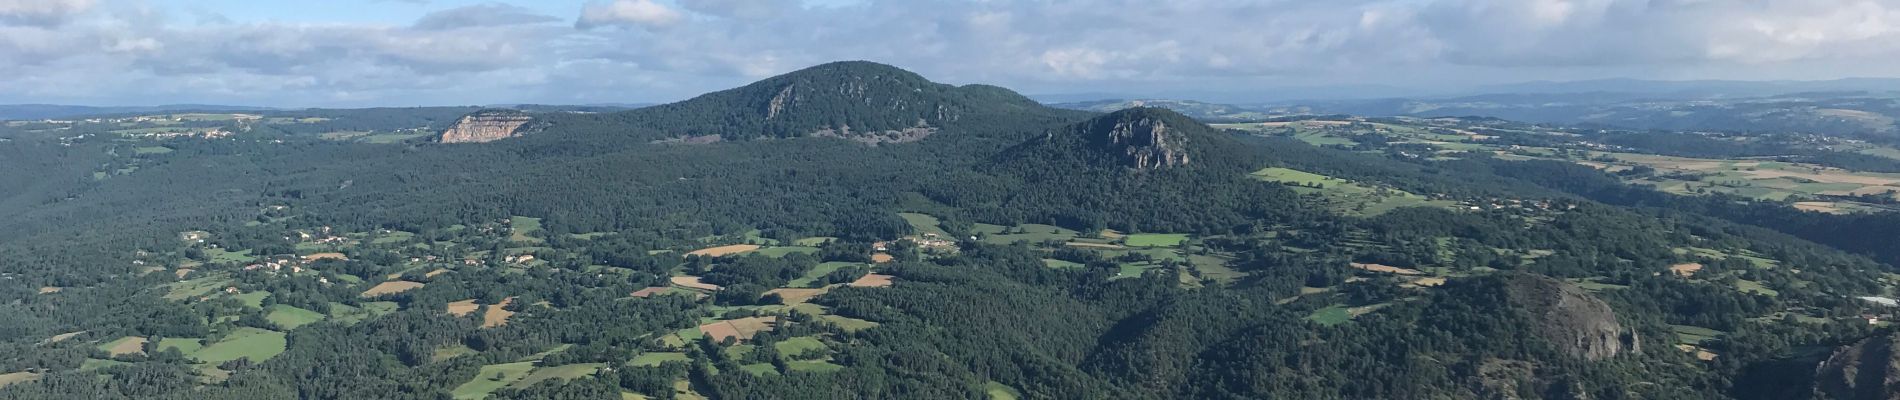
(1866,370)
(486,126)
(907,135)
(1570,318)
(1142,137)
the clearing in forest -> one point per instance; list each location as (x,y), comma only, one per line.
(790,296)
(497,314)
(723,251)
(1387,269)
(657,358)
(326,256)
(780,252)
(1686,269)
(692,282)
(391,287)
(288,317)
(51,289)
(462,307)
(61,337)
(882,258)
(1156,239)
(741,329)
(125,345)
(924,224)
(17,377)
(563,372)
(873,280)
(520,227)
(247,342)
(491,378)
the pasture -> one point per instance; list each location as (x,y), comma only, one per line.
(520,228)
(247,342)
(125,345)
(1156,239)
(656,358)
(287,317)
(491,378)
(924,224)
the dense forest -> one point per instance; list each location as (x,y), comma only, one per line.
(1016,251)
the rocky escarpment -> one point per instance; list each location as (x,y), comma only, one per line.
(1570,318)
(1144,138)
(1868,370)
(486,126)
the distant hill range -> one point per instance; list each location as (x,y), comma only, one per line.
(54,111)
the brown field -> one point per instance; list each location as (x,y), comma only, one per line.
(438,271)
(326,256)
(790,296)
(181,272)
(1819,206)
(1387,269)
(391,287)
(873,280)
(649,292)
(692,282)
(1112,234)
(722,251)
(129,345)
(461,308)
(496,316)
(1700,354)
(1688,269)
(51,289)
(743,328)
(881,258)
(1428,282)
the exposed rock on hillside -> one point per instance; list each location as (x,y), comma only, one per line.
(1570,318)
(486,126)
(1142,137)
(1867,370)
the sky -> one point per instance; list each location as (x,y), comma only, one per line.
(352,53)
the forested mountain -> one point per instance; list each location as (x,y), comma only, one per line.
(953,242)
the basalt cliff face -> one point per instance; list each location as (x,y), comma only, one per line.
(1866,370)
(486,126)
(1570,318)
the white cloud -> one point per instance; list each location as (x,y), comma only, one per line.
(75,49)
(640,13)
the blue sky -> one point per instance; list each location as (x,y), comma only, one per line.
(439,52)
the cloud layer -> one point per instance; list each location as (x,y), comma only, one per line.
(128,52)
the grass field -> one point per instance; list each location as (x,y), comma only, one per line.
(186,346)
(152,150)
(17,377)
(1748,286)
(222,256)
(849,324)
(1054,263)
(350,315)
(196,287)
(124,345)
(811,277)
(797,346)
(924,223)
(1033,233)
(1156,239)
(492,378)
(253,300)
(999,391)
(655,359)
(562,372)
(1348,197)
(288,318)
(813,241)
(1331,315)
(255,344)
(521,227)
(759,369)
(813,366)
(1694,334)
